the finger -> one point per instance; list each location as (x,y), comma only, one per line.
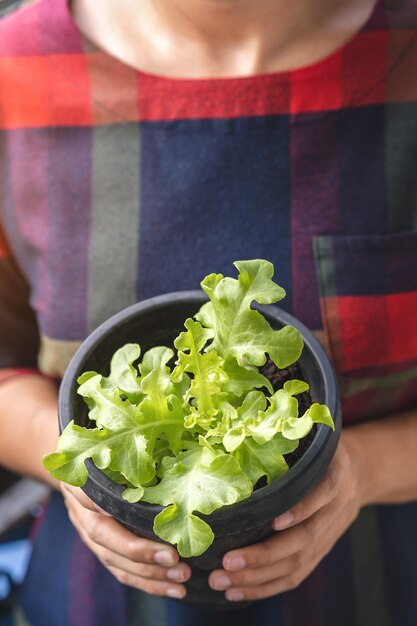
(271,588)
(179,573)
(68,491)
(108,533)
(221,580)
(280,584)
(324,532)
(170,590)
(275,548)
(253,576)
(276,586)
(328,521)
(293,570)
(325,492)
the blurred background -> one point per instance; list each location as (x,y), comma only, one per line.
(21,499)
(9,5)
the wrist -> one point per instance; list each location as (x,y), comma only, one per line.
(360,464)
(46,432)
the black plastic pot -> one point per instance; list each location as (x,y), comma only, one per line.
(158,321)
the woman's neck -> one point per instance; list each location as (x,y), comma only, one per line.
(232,23)
(206,38)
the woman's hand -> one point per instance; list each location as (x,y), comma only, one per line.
(147,565)
(306,534)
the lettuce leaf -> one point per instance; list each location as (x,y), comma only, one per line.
(240,331)
(123,451)
(201,481)
(264,460)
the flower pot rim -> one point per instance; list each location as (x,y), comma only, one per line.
(104,330)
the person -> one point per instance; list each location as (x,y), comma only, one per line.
(146,144)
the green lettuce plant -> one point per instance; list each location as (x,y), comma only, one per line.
(195,430)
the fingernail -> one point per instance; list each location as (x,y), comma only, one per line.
(165,557)
(176,574)
(173,592)
(220,582)
(235,563)
(234,595)
(283,520)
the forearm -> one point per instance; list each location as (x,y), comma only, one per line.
(28,424)
(385,453)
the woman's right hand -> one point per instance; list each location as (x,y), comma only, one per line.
(141,563)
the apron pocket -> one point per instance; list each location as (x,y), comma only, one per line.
(368,299)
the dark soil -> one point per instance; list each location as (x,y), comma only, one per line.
(278,377)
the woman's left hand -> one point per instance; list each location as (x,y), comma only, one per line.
(307,532)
